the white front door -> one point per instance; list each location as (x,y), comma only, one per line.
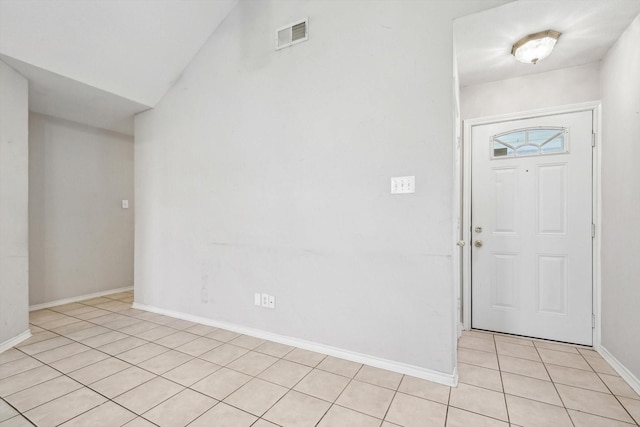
(531,227)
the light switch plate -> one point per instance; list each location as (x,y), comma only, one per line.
(403,184)
(257,299)
(272,301)
(125,204)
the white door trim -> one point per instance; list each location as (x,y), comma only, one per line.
(594,107)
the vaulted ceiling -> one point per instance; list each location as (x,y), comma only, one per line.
(100,61)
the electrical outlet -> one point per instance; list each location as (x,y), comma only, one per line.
(264,300)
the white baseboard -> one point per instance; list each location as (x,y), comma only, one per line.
(415,371)
(631,379)
(12,342)
(78,298)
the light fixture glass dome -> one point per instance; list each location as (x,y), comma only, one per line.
(534,47)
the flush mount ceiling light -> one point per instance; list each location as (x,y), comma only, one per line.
(534,47)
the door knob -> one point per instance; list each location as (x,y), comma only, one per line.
(460,243)
(477,243)
(478,229)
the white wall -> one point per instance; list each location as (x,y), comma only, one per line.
(621,200)
(81,240)
(14,185)
(551,89)
(264,171)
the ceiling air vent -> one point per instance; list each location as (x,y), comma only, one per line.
(292,34)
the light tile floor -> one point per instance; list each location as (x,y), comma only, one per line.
(101,363)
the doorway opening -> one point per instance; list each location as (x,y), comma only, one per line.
(530,197)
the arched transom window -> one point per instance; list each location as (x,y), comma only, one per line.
(534,141)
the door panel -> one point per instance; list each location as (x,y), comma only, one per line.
(552,199)
(504,290)
(552,284)
(505,195)
(532,213)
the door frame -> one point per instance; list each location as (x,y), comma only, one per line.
(594,107)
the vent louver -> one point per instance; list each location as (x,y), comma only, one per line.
(292,34)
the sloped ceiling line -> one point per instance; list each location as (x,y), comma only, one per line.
(99,62)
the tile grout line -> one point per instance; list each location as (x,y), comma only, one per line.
(72,391)
(536,378)
(249,350)
(262,379)
(504,394)
(175,349)
(566,410)
(86,386)
(226,366)
(339,394)
(331,403)
(484,388)
(610,391)
(532,339)
(97,392)
(19,414)
(255,377)
(446,415)
(522,358)
(279,385)
(544,365)
(93,390)
(396,391)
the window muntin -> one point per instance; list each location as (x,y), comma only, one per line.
(534,141)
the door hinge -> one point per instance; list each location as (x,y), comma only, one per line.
(593,320)
(593,230)
(593,139)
